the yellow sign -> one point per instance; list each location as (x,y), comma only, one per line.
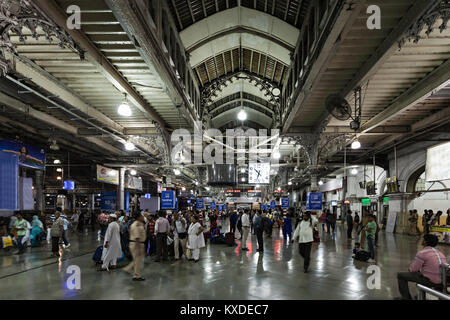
(107,175)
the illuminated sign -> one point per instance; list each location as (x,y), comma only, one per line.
(365,202)
(69,185)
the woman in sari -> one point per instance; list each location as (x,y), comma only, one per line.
(196,240)
(37,231)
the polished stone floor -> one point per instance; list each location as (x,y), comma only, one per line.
(222,273)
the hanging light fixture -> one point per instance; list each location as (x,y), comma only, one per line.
(356,144)
(56,161)
(243,170)
(290,183)
(129,146)
(354,171)
(242,115)
(124,108)
(177,172)
(276,155)
(320,182)
(133,172)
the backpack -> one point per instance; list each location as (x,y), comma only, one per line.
(362,255)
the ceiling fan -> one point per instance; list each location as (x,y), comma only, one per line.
(340,109)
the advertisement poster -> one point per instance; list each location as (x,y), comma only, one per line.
(29,156)
(107,175)
(108,200)
(168,200)
(314,201)
(212,206)
(132,182)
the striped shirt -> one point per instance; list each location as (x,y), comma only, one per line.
(427,262)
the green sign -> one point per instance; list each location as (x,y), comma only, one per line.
(386,201)
(365,202)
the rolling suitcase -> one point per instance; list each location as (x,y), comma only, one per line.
(98,255)
(229,239)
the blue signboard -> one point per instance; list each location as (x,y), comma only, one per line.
(108,200)
(314,201)
(69,185)
(147,196)
(220,207)
(9,182)
(212,206)
(285,203)
(224,207)
(168,200)
(29,156)
(200,205)
(127,202)
(273,204)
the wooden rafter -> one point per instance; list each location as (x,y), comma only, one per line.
(281,74)
(274,69)
(215,67)
(273,7)
(177,14)
(204,8)
(199,77)
(207,72)
(251,61)
(265,5)
(259,63)
(224,64)
(217,6)
(287,9)
(190,10)
(298,12)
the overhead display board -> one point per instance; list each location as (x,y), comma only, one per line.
(437,167)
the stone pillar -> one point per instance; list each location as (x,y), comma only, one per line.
(39,175)
(398,203)
(121,190)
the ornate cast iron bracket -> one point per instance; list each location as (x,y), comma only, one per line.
(17,15)
(441,10)
(211,90)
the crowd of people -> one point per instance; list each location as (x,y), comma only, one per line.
(165,235)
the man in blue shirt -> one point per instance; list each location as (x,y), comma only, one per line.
(259,229)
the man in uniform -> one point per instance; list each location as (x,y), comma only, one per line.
(137,240)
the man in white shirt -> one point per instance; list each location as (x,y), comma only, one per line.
(305,234)
(179,227)
(245,229)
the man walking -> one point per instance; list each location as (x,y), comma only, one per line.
(56,233)
(245,229)
(162,228)
(137,237)
(259,230)
(112,249)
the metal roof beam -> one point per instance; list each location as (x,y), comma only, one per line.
(429,85)
(95,56)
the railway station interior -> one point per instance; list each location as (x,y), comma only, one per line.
(224,149)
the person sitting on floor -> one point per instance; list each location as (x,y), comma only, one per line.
(216,236)
(424,270)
